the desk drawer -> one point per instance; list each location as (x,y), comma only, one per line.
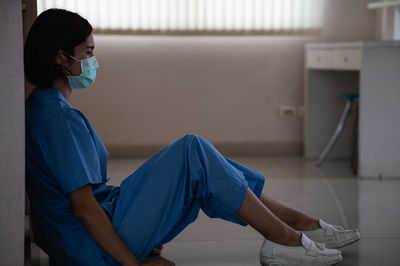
(339,59)
(320,59)
(347,59)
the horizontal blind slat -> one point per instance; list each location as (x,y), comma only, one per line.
(195,15)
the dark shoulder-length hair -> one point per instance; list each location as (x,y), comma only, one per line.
(54,29)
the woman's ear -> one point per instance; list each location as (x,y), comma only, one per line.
(60,58)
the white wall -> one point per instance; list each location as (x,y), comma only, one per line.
(12,140)
(153,89)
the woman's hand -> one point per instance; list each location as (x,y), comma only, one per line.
(158,262)
(155,252)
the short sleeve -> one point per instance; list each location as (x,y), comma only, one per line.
(69,151)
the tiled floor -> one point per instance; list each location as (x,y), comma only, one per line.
(331,193)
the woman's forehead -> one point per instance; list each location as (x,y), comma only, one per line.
(90,40)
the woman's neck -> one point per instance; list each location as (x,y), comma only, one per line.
(63,87)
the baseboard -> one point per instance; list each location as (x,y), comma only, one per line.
(227,149)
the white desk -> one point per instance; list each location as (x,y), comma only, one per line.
(371,69)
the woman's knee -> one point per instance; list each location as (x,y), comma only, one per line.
(189,138)
(185,141)
(193,141)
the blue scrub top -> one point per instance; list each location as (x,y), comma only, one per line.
(63,153)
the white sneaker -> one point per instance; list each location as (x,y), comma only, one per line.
(310,253)
(333,236)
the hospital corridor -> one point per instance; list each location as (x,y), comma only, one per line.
(199,132)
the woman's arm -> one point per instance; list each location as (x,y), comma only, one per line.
(95,220)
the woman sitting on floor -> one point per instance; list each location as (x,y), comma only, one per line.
(79,220)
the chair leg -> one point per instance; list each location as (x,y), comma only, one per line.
(354,153)
(335,135)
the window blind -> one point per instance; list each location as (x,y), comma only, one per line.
(195,15)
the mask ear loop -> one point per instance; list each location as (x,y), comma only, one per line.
(70,56)
(66,70)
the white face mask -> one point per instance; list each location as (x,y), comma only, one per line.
(88,75)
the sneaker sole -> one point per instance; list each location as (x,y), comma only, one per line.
(279,264)
(267,261)
(345,243)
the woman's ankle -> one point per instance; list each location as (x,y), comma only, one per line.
(289,238)
(306,224)
(295,240)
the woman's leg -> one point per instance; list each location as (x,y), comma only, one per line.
(271,218)
(262,219)
(295,219)
(165,194)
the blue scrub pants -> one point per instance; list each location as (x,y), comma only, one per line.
(165,194)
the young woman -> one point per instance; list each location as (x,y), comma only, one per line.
(79,220)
